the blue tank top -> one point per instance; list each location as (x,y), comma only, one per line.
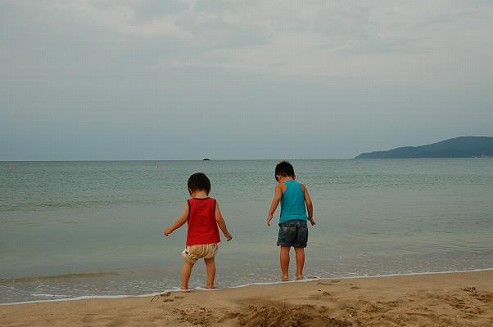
(293,202)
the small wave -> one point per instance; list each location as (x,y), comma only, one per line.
(93,297)
(75,204)
(58,277)
(78,275)
(49,295)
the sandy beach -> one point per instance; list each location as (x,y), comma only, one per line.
(451,299)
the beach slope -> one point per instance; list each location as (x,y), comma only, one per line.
(449,299)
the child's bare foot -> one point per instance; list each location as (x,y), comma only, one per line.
(300,277)
(284,278)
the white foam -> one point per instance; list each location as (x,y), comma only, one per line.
(178,290)
(49,295)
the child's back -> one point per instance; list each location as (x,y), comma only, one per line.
(202,226)
(293,202)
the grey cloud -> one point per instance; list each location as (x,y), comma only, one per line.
(140,79)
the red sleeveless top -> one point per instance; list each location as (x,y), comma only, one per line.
(202,226)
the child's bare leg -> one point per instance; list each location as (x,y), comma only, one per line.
(284,260)
(210,267)
(300,262)
(186,271)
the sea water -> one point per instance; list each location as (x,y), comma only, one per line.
(94,229)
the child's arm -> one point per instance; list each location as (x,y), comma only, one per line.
(309,205)
(275,202)
(222,223)
(179,221)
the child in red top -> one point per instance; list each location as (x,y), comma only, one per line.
(203,216)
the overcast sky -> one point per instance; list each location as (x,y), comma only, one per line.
(132,79)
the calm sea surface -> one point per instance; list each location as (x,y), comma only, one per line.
(77,229)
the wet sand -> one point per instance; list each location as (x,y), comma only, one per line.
(452,299)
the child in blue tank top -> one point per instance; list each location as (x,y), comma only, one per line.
(296,209)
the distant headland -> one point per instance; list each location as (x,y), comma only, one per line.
(459,147)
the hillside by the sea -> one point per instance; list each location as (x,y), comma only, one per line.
(459,147)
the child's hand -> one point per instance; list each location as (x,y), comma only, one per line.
(312,221)
(269,218)
(167,231)
(228,236)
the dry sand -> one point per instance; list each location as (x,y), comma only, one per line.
(455,299)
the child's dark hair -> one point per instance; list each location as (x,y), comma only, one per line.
(199,182)
(284,169)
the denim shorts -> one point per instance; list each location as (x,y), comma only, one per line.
(293,233)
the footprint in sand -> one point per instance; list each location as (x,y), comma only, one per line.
(321,296)
(166,297)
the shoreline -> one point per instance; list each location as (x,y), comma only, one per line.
(306,279)
(436,299)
